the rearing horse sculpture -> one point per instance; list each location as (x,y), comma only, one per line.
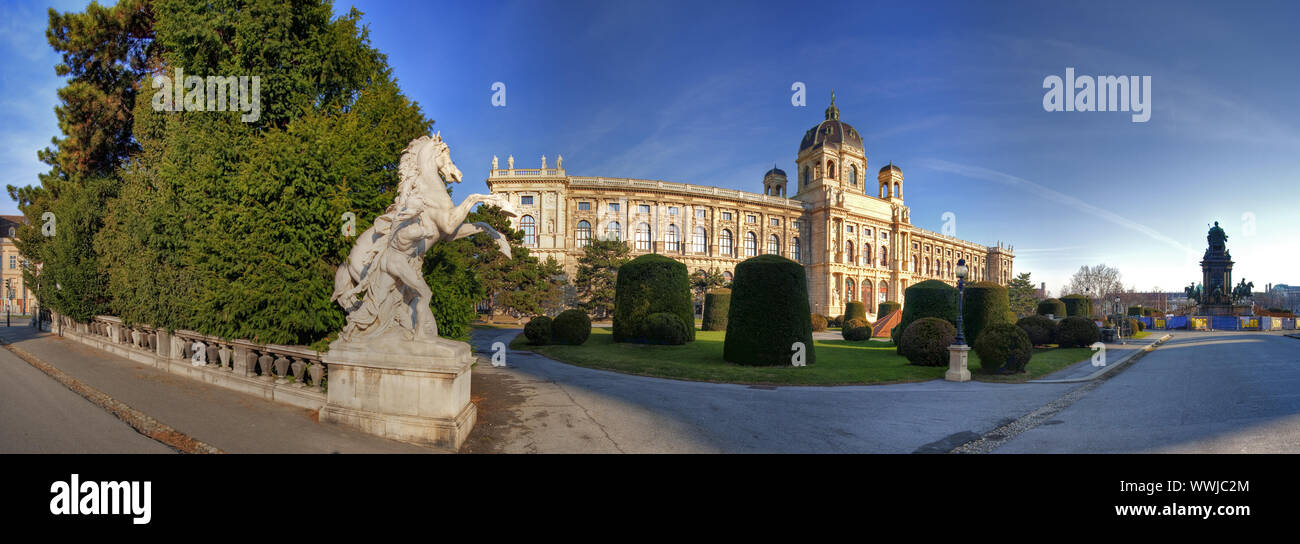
(381,285)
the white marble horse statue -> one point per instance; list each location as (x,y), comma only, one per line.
(381,284)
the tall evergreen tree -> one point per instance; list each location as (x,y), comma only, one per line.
(597,272)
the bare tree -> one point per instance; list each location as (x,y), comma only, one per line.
(1100,282)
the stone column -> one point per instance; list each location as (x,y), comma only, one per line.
(957,357)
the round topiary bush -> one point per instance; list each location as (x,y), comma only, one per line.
(836,321)
(884,308)
(930,298)
(1003,344)
(856,329)
(769,313)
(1132,326)
(1053,307)
(717,302)
(571,327)
(1142,326)
(986,304)
(665,328)
(926,341)
(1077,332)
(1041,329)
(650,284)
(819,322)
(538,331)
(1077,306)
(854,310)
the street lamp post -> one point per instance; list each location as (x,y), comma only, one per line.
(1120,319)
(959,351)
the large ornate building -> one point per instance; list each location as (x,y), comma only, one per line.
(856,241)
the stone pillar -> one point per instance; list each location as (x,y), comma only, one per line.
(162,346)
(957,371)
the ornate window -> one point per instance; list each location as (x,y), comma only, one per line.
(643,236)
(774,245)
(724,242)
(849,290)
(584,206)
(853,175)
(699,213)
(674,241)
(866,254)
(614,231)
(583,235)
(795,252)
(643,208)
(830,169)
(526,200)
(866,295)
(529,226)
(751,244)
(884,291)
(613,206)
(884,256)
(927,266)
(848,250)
(700,240)
(807,176)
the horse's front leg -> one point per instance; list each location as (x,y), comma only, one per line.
(465,230)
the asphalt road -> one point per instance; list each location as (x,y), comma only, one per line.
(1210,392)
(40,415)
(565,408)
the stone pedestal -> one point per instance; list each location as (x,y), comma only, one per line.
(957,357)
(409,390)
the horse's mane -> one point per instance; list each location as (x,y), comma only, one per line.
(408,167)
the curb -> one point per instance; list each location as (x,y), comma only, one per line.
(1111,367)
(138,420)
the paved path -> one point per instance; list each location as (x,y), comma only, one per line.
(565,408)
(40,415)
(231,421)
(1213,392)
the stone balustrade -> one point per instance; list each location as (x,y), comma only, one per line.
(289,374)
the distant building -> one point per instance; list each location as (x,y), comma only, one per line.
(15,298)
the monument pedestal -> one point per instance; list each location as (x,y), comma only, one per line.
(957,364)
(409,390)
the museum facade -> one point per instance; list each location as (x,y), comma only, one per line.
(856,242)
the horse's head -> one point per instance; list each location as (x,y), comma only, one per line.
(440,160)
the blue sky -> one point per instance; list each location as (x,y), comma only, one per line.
(699,92)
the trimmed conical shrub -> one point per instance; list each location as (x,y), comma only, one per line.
(854,310)
(930,298)
(1053,307)
(717,302)
(646,285)
(986,304)
(769,313)
(1077,306)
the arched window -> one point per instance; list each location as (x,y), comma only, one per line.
(884,291)
(724,242)
(866,254)
(830,169)
(884,256)
(751,244)
(927,266)
(795,252)
(866,296)
(727,276)
(643,236)
(853,175)
(915,262)
(614,231)
(807,176)
(674,241)
(898,191)
(583,235)
(849,290)
(774,244)
(529,226)
(848,249)
(700,241)
(884,191)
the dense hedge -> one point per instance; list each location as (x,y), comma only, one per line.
(1077,306)
(646,285)
(716,304)
(855,310)
(835,321)
(856,329)
(538,331)
(1053,307)
(1134,310)
(819,322)
(986,304)
(930,298)
(1003,343)
(884,308)
(571,327)
(926,341)
(1041,329)
(665,328)
(769,313)
(1133,326)
(1077,332)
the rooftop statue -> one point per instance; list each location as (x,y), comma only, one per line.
(381,285)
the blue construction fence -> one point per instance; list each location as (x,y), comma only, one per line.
(1220,323)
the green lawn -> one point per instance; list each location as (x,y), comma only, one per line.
(839,362)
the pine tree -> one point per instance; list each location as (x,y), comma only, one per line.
(597,272)
(1023,296)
